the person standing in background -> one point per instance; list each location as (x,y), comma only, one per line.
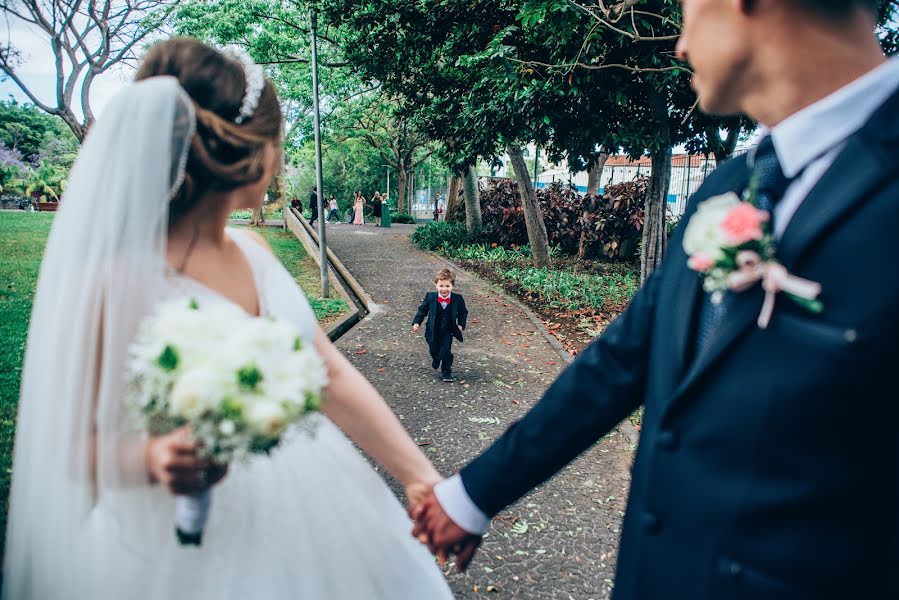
(359,208)
(376,208)
(313,206)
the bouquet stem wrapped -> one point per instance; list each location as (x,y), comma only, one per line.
(191,513)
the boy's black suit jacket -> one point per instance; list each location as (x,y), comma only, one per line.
(768,465)
(457,317)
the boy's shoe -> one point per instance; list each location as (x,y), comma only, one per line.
(447,377)
(435,363)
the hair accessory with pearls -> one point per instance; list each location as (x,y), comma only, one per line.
(255,81)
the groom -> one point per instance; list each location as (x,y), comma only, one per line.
(768,464)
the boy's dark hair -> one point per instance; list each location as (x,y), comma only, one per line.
(445,275)
(841,8)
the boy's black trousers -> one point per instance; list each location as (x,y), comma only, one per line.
(441,352)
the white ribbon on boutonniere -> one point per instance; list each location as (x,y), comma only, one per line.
(729,243)
(775,279)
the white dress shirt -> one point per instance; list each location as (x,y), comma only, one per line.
(807,143)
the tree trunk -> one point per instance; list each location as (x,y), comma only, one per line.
(655,232)
(594,175)
(473,222)
(452,198)
(402,177)
(533,215)
(730,144)
(449,189)
(74,124)
(280,189)
(258,217)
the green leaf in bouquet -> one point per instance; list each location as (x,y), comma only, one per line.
(297,344)
(194,305)
(263,445)
(231,409)
(249,377)
(168,360)
(313,402)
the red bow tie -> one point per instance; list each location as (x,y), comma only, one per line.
(443,300)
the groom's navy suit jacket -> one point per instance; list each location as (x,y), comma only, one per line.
(768,465)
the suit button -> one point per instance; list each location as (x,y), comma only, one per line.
(667,440)
(652,523)
(729,567)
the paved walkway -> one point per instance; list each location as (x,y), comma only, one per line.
(560,541)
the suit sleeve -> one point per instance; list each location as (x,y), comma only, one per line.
(600,388)
(462,314)
(423,309)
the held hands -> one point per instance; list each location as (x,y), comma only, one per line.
(173,461)
(443,537)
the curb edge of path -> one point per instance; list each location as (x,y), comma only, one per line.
(626,428)
(300,230)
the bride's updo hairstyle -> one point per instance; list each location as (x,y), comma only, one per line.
(224,154)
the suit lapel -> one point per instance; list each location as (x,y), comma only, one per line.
(688,284)
(432,312)
(742,313)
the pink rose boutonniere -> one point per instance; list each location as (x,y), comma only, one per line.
(730,244)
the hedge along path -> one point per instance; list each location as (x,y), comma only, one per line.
(559,541)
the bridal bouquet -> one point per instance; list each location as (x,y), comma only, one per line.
(237,381)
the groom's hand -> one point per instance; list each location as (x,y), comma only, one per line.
(436,529)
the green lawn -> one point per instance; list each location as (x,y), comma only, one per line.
(304,270)
(22,239)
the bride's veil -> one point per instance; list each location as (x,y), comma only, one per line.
(79,485)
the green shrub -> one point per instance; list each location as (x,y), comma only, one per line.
(436,236)
(575,291)
(403,218)
(493,252)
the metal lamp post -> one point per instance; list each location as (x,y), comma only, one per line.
(318,158)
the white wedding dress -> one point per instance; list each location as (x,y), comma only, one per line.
(311,521)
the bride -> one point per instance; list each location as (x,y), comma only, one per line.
(91,508)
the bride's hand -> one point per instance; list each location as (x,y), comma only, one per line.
(173,461)
(417,491)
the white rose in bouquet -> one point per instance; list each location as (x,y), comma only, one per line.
(198,390)
(266,417)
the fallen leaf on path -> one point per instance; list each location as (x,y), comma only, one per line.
(381,370)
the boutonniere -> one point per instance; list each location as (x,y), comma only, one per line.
(729,243)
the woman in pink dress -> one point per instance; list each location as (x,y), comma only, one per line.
(358,206)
